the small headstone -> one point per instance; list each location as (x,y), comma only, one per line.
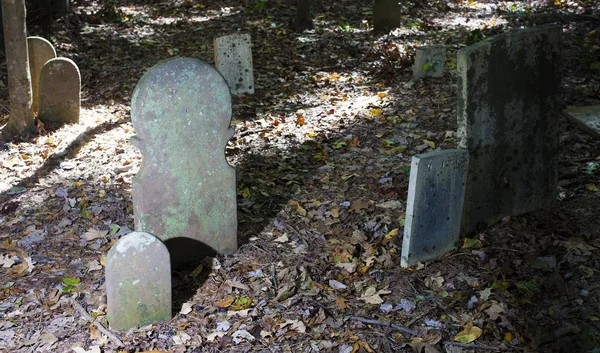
(138,282)
(434,206)
(303,15)
(233,59)
(429,61)
(386,15)
(508,96)
(181,110)
(586,118)
(60,92)
(40,51)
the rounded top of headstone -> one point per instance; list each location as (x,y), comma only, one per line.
(41,43)
(181,96)
(65,65)
(136,240)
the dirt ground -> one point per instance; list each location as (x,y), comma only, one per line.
(320,150)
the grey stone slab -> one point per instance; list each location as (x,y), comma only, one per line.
(386,15)
(185,189)
(430,61)
(60,92)
(233,59)
(434,205)
(508,96)
(40,51)
(138,282)
(586,118)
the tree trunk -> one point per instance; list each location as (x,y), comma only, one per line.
(303,15)
(21,121)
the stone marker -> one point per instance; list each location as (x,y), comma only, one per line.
(586,118)
(181,110)
(434,206)
(507,119)
(40,51)
(429,61)
(386,15)
(138,281)
(60,92)
(233,59)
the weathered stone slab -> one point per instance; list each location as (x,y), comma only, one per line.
(60,92)
(233,59)
(40,51)
(429,61)
(181,110)
(507,119)
(586,118)
(386,15)
(434,206)
(138,281)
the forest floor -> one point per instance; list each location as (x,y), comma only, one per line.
(322,152)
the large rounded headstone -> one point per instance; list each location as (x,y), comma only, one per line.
(181,110)
(60,92)
(40,51)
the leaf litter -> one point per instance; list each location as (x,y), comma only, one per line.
(322,153)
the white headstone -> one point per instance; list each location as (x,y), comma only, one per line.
(233,59)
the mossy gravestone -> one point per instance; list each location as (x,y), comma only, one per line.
(429,61)
(434,205)
(40,51)
(60,92)
(138,281)
(233,59)
(185,190)
(508,95)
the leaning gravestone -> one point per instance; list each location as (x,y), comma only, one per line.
(181,110)
(429,61)
(434,206)
(138,282)
(386,15)
(507,119)
(233,59)
(60,92)
(586,118)
(40,51)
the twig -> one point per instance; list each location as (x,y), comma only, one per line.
(383,323)
(99,325)
(472,346)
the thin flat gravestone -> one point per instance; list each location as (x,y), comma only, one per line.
(40,51)
(185,190)
(138,282)
(60,92)
(586,118)
(429,61)
(434,206)
(507,119)
(233,59)
(386,15)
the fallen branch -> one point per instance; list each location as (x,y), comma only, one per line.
(75,304)
(472,346)
(383,323)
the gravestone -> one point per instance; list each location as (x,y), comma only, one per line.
(434,206)
(429,61)
(233,59)
(40,51)
(138,281)
(508,95)
(185,191)
(303,15)
(60,92)
(586,118)
(386,15)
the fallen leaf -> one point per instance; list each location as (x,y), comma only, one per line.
(296,325)
(282,239)
(186,308)
(93,233)
(469,334)
(225,303)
